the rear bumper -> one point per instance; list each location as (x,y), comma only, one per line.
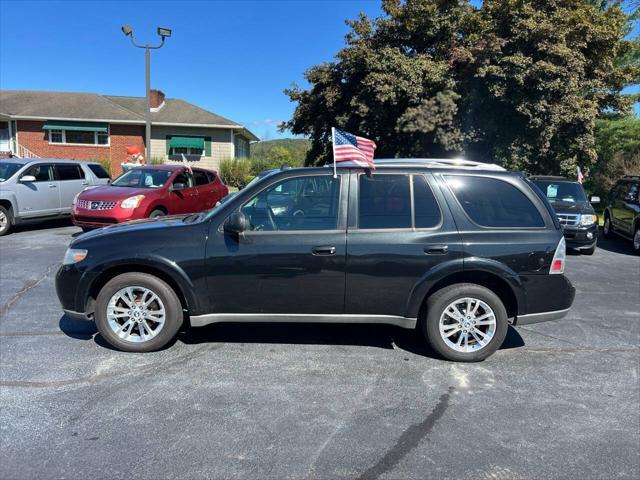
(541,317)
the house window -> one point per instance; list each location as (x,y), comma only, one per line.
(78,137)
(55,136)
(241,147)
(197,152)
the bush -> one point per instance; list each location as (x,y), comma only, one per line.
(106,164)
(235,172)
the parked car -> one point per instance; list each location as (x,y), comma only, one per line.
(576,214)
(39,189)
(622,213)
(458,249)
(148,191)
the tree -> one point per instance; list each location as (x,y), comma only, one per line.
(518,82)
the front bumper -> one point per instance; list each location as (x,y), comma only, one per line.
(87,218)
(72,289)
(581,237)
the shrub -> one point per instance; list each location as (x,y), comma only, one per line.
(235,172)
(156,161)
(106,164)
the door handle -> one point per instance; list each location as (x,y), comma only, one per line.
(52,185)
(436,250)
(323,250)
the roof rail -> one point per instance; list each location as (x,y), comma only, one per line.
(631,177)
(437,162)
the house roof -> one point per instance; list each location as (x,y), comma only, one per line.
(33,104)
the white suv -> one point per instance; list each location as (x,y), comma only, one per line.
(38,189)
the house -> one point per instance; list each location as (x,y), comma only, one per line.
(88,126)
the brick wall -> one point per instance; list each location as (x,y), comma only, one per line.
(34,138)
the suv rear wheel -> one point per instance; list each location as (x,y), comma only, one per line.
(465,322)
(137,312)
(5,221)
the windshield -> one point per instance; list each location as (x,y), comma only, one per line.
(143,178)
(8,169)
(259,177)
(555,191)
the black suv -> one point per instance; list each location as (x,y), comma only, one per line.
(622,213)
(458,249)
(576,215)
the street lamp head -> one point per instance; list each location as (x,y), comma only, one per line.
(127,30)
(164,32)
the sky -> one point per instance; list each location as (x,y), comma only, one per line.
(234,58)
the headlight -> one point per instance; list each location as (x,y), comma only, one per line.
(132,202)
(588,219)
(74,255)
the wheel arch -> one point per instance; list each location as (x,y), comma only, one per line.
(176,280)
(9,205)
(503,281)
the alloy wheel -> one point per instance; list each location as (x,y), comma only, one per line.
(136,314)
(636,240)
(3,220)
(467,325)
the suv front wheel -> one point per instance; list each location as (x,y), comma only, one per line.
(138,312)
(465,322)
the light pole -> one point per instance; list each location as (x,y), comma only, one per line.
(164,33)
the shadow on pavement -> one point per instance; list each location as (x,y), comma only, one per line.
(379,336)
(616,244)
(42,225)
(78,329)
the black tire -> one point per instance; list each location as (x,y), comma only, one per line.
(157,213)
(588,251)
(172,307)
(635,240)
(5,227)
(607,229)
(436,305)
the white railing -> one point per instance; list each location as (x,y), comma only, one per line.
(25,153)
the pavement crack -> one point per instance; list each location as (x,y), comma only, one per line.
(409,439)
(27,287)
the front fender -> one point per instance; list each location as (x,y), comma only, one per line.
(146,263)
(10,197)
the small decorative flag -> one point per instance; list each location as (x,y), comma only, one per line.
(580,176)
(347,147)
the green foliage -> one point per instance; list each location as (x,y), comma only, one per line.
(618,147)
(518,82)
(235,172)
(274,153)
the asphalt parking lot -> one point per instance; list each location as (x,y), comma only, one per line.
(560,399)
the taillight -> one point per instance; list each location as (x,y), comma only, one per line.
(557,264)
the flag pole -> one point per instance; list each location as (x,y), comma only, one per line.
(333,146)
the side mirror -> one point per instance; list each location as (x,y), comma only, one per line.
(236,223)
(178,186)
(595,199)
(27,179)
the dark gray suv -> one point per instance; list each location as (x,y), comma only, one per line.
(38,189)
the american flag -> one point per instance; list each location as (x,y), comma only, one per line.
(350,148)
(580,176)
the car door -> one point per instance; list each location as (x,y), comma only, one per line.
(629,208)
(208,193)
(291,259)
(185,199)
(40,197)
(617,206)
(397,234)
(71,178)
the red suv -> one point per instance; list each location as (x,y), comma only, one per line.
(148,191)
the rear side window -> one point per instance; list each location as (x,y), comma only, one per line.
(384,202)
(98,171)
(494,203)
(69,172)
(201,178)
(426,208)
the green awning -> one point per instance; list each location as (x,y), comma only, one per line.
(77,126)
(187,142)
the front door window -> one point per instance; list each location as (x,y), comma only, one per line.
(301,203)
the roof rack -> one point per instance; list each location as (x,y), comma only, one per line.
(437,162)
